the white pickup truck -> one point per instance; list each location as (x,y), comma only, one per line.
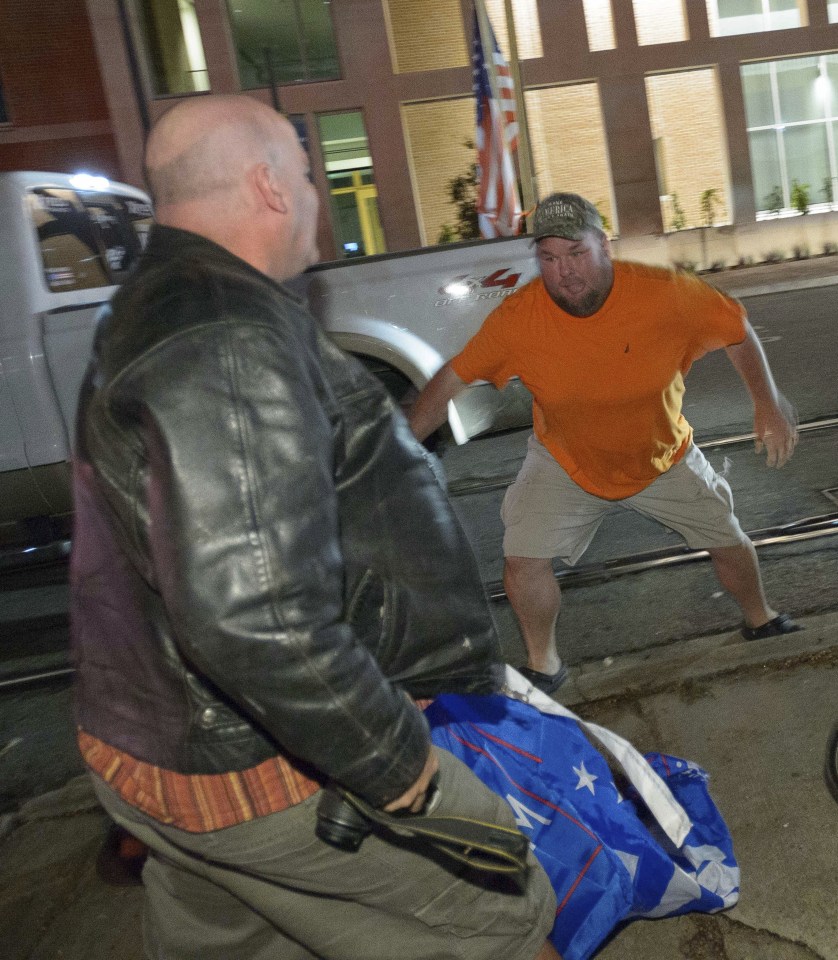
(68,241)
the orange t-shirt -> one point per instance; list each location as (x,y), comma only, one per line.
(607,388)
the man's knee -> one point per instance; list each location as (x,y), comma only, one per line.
(519,567)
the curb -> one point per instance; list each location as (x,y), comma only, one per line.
(777,286)
(657,669)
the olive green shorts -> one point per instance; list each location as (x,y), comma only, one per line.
(546,514)
(270,889)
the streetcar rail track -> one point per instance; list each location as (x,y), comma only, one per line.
(809,528)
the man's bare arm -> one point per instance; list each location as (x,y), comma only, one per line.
(775,420)
(430,409)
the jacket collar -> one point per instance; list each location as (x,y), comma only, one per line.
(170,243)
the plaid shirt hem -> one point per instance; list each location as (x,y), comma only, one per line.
(198,803)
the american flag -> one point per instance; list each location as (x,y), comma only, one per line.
(498,206)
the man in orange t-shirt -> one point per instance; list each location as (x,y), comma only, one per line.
(604,347)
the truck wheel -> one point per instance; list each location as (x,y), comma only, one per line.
(404,393)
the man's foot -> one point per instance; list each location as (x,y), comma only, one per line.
(775,627)
(546,682)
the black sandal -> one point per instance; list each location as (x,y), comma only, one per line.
(781,624)
(546,682)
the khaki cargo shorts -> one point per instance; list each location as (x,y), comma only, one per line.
(546,514)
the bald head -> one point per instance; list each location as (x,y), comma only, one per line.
(205,145)
(232,169)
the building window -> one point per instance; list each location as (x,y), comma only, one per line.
(792,116)
(659,21)
(431,36)
(439,136)
(427,35)
(298,122)
(353,194)
(690,154)
(832,11)
(527,27)
(729,17)
(173,47)
(599,21)
(283,41)
(567,137)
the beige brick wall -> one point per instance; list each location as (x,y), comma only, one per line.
(660,21)
(568,143)
(435,134)
(685,115)
(426,35)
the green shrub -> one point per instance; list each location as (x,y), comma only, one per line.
(774,201)
(800,196)
(679,218)
(686,266)
(710,199)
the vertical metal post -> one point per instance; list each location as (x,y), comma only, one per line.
(133,66)
(525,166)
(269,66)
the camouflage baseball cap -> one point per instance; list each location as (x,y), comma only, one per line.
(565,215)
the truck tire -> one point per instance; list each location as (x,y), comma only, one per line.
(404,393)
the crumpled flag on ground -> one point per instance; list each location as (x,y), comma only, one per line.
(649,844)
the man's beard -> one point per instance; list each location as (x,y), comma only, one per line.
(588,305)
(593,299)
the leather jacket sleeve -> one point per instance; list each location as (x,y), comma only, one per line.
(235,492)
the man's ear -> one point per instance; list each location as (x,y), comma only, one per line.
(269,187)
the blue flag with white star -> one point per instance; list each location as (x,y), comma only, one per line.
(650,845)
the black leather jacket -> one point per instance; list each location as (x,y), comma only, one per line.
(240,486)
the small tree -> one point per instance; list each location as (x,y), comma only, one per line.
(606,223)
(828,190)
(774,200)
(462,191)
(710,199)
(679,218)
(800,196)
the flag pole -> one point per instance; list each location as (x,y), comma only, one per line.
(525,167)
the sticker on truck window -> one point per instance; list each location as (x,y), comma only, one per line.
(467,289)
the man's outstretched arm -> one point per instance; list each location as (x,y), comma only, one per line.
(430,408)
(775,420)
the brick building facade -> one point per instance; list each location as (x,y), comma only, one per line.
(54,109)
(646,106)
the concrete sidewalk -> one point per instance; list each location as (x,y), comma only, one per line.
(755,715)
